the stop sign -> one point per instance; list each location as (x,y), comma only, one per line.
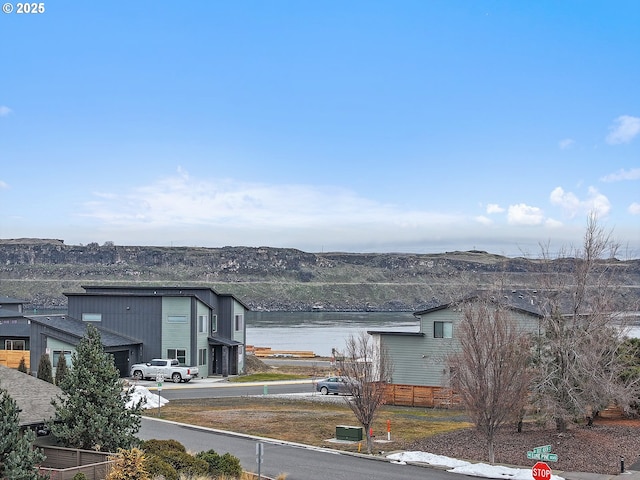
(541,471)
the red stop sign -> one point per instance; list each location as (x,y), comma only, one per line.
(541,471)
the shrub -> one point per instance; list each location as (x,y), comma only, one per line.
(185,463)
(156,467)
(226,464)
(128,465)
(160,446)
(22,366)
(79,476)
(45,371)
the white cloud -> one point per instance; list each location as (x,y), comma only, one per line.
(566,143)
(4,111)
(624,129)
(595,203)
(634,208)
(522,214)
(245,213)
(622,174)
(494,208)
(551,223)
(3,185)
(483,220)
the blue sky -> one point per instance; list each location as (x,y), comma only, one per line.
(408,126)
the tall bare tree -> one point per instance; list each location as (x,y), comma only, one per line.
(491,369)
(368,369)
(580,363)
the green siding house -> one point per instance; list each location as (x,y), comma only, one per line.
(420,358)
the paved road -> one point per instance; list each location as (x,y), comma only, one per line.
(298,461)
(207,389)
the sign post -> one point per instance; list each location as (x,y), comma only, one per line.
(541,471)
(259,456)
(159,379)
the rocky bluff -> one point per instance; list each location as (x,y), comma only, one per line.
(265,278)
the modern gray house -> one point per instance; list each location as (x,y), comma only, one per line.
(420,358)
(195,325)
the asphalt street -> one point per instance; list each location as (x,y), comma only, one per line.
(299,462)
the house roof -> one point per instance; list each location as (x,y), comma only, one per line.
(398,334)
(223,341)
(9,300)
(32,395)
(518,300)
(160,291)
(78,328)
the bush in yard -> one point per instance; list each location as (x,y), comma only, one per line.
(226,464)
(160,446)
(159,468)
(61,369)
(184,463)
(79,476)
(173,454)
(129,465)
(22,366)
(45,372)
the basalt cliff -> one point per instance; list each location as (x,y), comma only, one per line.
(264,278)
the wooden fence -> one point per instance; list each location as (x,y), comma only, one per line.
(65,463)
(11,358)
(421,396)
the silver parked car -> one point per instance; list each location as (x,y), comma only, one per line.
(335,385)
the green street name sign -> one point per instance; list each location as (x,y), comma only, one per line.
(542,453)
(550,457)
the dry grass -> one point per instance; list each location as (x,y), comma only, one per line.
(309,422)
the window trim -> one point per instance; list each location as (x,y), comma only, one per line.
(203,321)
(238,322)
(172,354)
(442,329)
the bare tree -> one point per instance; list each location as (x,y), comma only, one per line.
(579,362)
(491,369)
(368,370)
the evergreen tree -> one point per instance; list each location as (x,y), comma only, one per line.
(22,366)
(61,369)
(44,368)
(93,414)
(18,460)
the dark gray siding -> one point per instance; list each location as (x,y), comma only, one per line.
(136,317)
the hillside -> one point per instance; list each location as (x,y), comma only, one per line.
(40,270)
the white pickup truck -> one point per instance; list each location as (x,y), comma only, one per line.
(168,368)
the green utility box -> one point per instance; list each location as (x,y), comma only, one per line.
(345,432)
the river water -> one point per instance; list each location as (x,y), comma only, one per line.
(319,332)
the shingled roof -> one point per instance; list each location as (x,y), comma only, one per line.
(78,329)
(32,395)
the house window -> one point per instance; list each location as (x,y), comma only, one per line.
(91,317)
(442,330)
(179,354)
(177,319)
(202,356)
(202,324)
(58,353)
(239,322)
(214,323)
(14,345)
